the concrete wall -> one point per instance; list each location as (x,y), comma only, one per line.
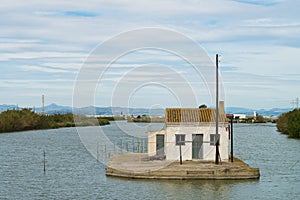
(152,142)
(172,150)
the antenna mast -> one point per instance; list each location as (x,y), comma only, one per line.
(43,104)
(217,111)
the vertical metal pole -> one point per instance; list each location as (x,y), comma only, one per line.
(132,145)
(217,110)
(138,140)
(180,153)
(43,104)
(121,146)
(138,144)
(231,139)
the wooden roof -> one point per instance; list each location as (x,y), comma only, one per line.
(205,115)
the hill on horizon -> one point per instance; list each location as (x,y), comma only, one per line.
(93,110)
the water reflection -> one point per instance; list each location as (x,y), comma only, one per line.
(182,189)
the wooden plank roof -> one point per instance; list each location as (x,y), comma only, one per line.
(205,115)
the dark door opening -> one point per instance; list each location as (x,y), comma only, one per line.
(160,144)
(197,152)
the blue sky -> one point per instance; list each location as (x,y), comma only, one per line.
(44,45)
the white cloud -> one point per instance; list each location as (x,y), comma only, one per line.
(270,23)
(260,2)
(43,69)
(54,38)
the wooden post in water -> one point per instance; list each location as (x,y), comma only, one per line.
(97,151)
(44,162)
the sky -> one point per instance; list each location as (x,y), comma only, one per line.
(45,45)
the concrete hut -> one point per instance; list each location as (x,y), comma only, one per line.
(194,129)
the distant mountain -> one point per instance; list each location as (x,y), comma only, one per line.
(5,107)
(239,110)
(54,108)
(91,110)
(118,111)
(263,112)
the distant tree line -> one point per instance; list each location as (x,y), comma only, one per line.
(289,123)
(25,119)
(140,118)
(252,119)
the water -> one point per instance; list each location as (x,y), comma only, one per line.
(72,173)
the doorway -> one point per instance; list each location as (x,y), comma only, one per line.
(160,144)
(197,151)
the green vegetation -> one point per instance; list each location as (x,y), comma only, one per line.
(139,118)
(145,119)
(112,118)
(289,123)
(261,119)
(20,120)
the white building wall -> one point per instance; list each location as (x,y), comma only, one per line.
(240,116)
(152,143)
(172,150)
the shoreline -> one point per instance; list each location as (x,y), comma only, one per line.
(51,128)
(27,120)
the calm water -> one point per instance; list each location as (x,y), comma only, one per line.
(72,173)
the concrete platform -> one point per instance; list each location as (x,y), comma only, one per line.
(138,165)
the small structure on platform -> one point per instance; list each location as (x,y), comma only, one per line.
(191,134)
(198,137)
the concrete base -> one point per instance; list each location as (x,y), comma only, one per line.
(137,165)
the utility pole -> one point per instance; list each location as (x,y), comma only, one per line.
(231,139)
(295,103)
(217,111)
(43,104)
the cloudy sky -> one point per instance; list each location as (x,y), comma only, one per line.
(45,44)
